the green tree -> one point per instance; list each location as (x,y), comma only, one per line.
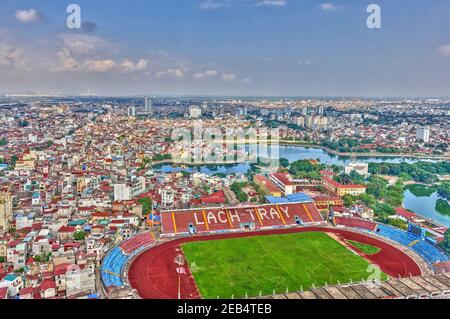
(242,197)
(349,200)
(146,203)
(443,207)
(444,190)
(445,244)
(377,187)
(284,162)
(79,235)
(367,199)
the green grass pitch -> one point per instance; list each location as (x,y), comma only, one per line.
(367,249)
(234,267)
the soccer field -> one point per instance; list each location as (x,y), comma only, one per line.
(234,267)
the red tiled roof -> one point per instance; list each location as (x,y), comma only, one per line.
(283,178)
(405,213)
(67,229)
(218,197)
(48,284)
(3,292)
(26,291)
(267,183)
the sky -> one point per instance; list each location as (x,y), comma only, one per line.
(226,47)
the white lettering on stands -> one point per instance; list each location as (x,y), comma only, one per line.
(264,214)
(212,217)
(274,212)
(222,217)
(235,215)
(197,222)
(250,211)
(285,210)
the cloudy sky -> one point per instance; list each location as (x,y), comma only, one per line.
(226,47)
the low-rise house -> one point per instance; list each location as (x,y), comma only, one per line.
(14,284)
(66,233)
(48,289)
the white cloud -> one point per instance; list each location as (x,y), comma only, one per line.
(89,62)
(327,7)
(30,15)
(81,52)
(211,4)
(178,73)
(84,44)
(206,74)
(11,56)
(444,50)
(98,65)
(308,62)
(65,61)
(128,66)
(274,3)
(229,76)
(217,4)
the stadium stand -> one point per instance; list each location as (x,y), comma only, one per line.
(134,243)
(212,220)
(424,248)
(425,287)
(442,268)
(355,223)
(427,251)
(112,268)
(115,261)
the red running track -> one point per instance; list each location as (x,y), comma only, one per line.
(153,273)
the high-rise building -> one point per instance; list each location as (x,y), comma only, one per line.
(309,121)
(6,211)
(305,111)
(148,105)
(423,134)
(300,121)
(132,111)
(195,111)
(122,192)
(320,111)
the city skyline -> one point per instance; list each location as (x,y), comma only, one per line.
(225,48)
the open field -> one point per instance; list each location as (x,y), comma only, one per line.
(234,267)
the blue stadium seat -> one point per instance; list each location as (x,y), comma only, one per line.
(112,267)
(430,253)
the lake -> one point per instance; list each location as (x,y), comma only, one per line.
(292,153)
(426,207)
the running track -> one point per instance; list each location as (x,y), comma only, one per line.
(153,273)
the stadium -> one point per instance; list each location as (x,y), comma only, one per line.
(286,250)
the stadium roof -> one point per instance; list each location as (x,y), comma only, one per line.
(293,198)
(299,197)
(276,200)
